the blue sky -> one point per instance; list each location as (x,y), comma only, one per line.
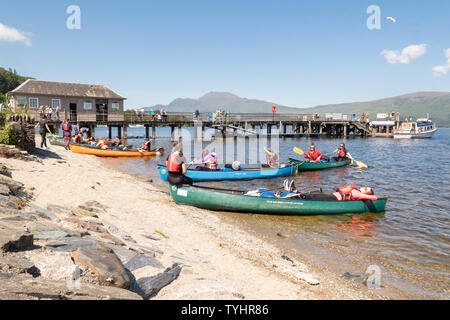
(295,53)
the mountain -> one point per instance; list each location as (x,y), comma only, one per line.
(417,105)
(212,101)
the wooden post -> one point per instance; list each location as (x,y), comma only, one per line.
(92,130)
(147,134)
(125,133)
(203,132)
(179,132)
(172,133)
(109,132)
(345,130)
(154,132)
(309,128)
(119,132)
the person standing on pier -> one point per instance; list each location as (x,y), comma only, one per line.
(67,132)
(176,166)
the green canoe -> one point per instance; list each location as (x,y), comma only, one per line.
(310,166)
(227,201)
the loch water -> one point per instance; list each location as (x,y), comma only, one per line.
(408,245)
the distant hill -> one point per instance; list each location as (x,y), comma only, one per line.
(212,101)
(417,105)
(9,80)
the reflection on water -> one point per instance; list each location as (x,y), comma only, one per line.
(410,240)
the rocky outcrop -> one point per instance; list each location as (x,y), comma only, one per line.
(105,264)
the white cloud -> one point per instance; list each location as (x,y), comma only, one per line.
(408,54)
(443,69)
(12,35)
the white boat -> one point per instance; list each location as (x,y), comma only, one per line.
(421,128)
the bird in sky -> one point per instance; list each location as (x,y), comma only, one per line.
(392,19)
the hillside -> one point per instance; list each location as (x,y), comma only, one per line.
(9,80)
(437,104)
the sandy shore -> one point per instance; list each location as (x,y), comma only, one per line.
(220,260)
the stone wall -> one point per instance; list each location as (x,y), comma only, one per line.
(23,125)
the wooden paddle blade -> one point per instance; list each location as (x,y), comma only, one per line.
(298,150)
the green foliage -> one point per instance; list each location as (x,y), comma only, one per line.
(9,138)
(9,80)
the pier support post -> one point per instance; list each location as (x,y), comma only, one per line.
(119,132)
(172,133)
(320,128)
(309,128)
(92,130)
(109,132)
(147,133)
(345,130)
(203,132)
(179,132)
(125,132)
(154,133)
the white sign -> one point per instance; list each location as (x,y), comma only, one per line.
(382,115)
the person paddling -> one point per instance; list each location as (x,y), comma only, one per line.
(273,160)
(67,131)
(313,154)
(102,143)
(147,146)
(208,159)
(342,153)
(176,166)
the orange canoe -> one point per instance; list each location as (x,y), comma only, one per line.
(112,153)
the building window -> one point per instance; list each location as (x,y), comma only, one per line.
(33,103)
(56,103)
(115,106)
(21,101)
(88,105)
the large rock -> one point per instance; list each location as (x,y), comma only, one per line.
(47,226)
(70,244)
(5,171)
(105,264)
(13,239)
(59,210)
(18,216)
(13,185)
(140,261)
(49,235)
(17,265)
(41,212)
(4,190)
(53,265)
(83,213)
(149,287)
(22,288)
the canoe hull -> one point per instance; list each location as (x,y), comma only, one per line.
(231,174)
(213,200)
(312,166)
(111,153)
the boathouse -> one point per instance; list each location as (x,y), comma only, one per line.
(79,102)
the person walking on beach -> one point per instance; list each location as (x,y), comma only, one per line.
(176,166)
(43,129)
(67,132)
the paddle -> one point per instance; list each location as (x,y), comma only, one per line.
(298,150)
(359,164)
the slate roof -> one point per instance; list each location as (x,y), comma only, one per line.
(50,88)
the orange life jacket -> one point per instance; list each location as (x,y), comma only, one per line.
(172,163)
(342,153)
(346,191)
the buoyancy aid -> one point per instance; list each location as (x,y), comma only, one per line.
(211,164)
(342,153)
(346,191)
(172,163)
(66,126)
(103,142)
(274,160)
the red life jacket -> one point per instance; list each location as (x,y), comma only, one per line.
(66,126)
(346,191)
(146,146)
(342,153)
(172,163)
(211,164)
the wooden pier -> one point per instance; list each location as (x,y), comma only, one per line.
(283,125)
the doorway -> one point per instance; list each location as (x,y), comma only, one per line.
(101,106)
(73,112)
